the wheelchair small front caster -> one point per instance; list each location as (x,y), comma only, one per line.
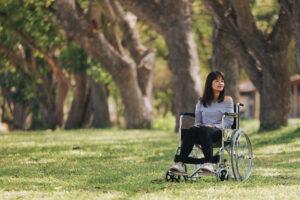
(223,175)
(169,177)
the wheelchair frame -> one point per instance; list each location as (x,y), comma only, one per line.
(233,145)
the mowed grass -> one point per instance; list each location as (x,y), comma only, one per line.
(130,164)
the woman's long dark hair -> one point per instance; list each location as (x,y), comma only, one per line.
(208,95)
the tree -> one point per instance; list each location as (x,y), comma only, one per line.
(263,55)
(292,7)
(108,51)
(172,19)
(49,57)
(17,95)
(224,60)
(74,59)
(32,28)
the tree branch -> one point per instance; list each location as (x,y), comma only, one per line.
(110,28)
(226,24)
(282,32)
(48,57)
(13,57)
(245,19)
(80,29)
(45,82)
(146,10)
(292,8)
(127,22)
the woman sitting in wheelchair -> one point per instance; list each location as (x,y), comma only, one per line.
(208,123)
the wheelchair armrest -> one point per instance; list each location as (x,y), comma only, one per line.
(187,114)
(234,115)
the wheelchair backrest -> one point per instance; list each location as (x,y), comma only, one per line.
(236,121)
(234,125)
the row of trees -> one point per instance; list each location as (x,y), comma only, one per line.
(104,32)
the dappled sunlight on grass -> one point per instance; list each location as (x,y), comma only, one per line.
(224,192)
(130,164)
(86,193)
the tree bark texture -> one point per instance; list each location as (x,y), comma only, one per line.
(263,56)
(172,19)
(101,118)
(19,116)
(225,61)
(292,7)
(75,117)
(122,68)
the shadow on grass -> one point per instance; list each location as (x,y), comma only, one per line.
(283,138)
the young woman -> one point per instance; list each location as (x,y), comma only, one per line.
(208,122)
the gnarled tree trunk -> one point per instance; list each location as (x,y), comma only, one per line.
(172,19)
(123,69)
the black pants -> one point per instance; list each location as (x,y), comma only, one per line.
(205,136)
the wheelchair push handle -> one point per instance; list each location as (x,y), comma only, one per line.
(187,114)
(240,104)
(237,111)
(231,114)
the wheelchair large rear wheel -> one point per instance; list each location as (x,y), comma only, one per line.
(241,155)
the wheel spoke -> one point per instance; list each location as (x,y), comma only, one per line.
(241,156)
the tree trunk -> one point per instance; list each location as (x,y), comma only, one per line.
(120,66)
(184,65)
(88,111)
(100,105)
(173,20)
(296,20)
(19,116)
(49,115)
(292,8)
(275,94)
(75,117)
(225,61)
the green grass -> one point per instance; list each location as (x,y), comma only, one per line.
(130,164)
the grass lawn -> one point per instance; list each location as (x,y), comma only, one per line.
(130,164)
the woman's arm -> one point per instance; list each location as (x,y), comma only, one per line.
(198,114)
(228,121)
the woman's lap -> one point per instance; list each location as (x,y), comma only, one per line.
(204,132)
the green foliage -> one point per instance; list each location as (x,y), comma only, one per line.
(14,83)
(98,72)
(202,27)
(164,123)
(31,19)
(74,58)
(266,13)
(292,58)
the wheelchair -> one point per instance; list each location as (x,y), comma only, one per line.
(234,151)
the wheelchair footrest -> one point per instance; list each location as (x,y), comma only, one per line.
(192,160)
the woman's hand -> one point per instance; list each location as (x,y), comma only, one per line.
(211,126)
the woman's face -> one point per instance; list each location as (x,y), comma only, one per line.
(218,84)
